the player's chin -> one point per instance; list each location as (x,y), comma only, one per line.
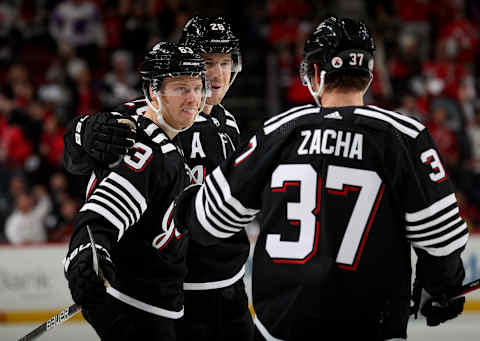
(187,118)
(216,97)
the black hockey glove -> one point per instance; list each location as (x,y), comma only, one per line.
(183,202)
(88,288)
(436,309)
(107,137)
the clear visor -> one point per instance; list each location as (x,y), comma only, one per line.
(225,62)
(186,87)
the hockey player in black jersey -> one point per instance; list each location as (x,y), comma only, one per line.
(215,297)
(345,191)
(216,303)
(129,207)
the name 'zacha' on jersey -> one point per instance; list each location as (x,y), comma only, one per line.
(330,141)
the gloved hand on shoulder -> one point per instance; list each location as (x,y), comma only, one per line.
(107,137)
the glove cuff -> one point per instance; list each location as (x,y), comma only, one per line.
(181,201)
(81,248)
(79,127)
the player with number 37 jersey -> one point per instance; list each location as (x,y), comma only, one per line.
(344,191)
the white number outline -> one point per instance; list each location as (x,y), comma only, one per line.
(217,27)
(185,49)
(302,214)
(356,58)
(430,158)
(143,155)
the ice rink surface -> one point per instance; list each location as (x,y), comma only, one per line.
(464,328)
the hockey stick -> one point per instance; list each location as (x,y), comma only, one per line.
(462,291)
(69,312)
(466,288)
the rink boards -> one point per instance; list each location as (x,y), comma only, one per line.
(33,287)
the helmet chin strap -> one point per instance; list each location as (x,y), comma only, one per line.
(316,94)
(158,114)
(368,85)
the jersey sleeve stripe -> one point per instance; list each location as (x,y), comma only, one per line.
(166,148)
(423,234)
(95,198)
(134,207)
(432,209)
(150,129)
(119,202)
(130,189)
(377,115)
(93,207)
(159,138)
(410,120)
(441,236)
(227,195)
(200,211)
(232,124)
(279,116)
(457,241)
(216,222)
(440,220)
(214,212)
(217,201)
(268,129)
(91,181)
(462,231)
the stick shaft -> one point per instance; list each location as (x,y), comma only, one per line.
(55,321)
(466,288)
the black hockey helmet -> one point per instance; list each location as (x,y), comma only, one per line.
(167,59)
(213,35)
(338,44)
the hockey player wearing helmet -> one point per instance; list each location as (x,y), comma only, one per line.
(345,190)
(216,303)
(214,288)
(129,207)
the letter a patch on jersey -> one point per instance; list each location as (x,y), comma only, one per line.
(196,146)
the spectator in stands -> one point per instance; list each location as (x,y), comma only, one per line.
(443,136)
(78,23)
(474,135)
(52,142)
(26,223)
(85,95)
(121,83)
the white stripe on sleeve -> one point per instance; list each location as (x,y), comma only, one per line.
(431,210)
(93,207)
(130,189)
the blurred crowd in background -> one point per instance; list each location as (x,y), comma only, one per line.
(60,59)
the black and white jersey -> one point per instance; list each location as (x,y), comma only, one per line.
(134,199)
(210,140)
(344,192)
(206,144)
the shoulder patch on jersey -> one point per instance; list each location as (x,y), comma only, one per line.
(288,116)
(403,124)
